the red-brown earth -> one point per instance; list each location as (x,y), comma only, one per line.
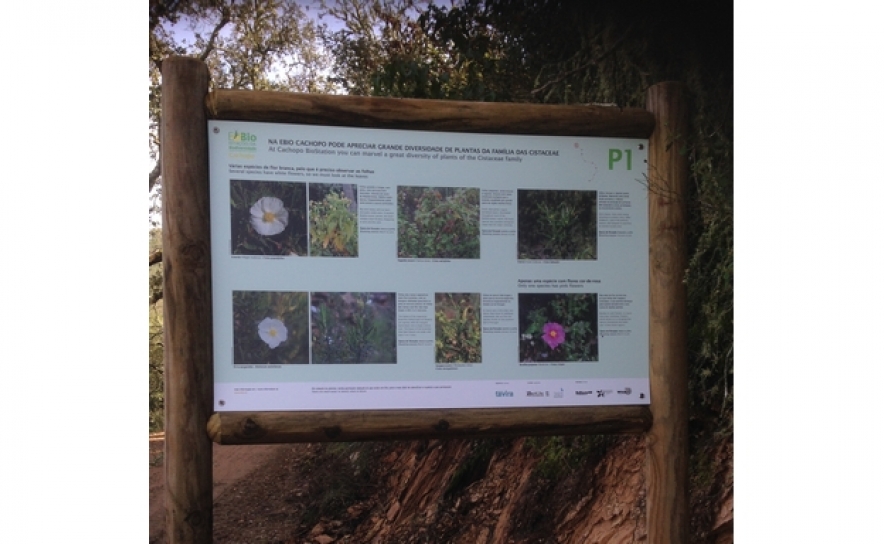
(495,491)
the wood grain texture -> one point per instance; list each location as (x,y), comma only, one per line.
(438,115)
(354,426)
(667,476)
(187,306)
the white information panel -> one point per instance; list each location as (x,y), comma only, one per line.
(389,269)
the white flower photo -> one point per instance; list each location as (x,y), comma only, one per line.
(269,216)
(273,332)
(282,323)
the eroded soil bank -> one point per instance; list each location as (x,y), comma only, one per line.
(494,491)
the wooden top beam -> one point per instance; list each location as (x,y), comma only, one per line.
(437,115)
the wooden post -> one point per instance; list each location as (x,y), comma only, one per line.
(187,301)
(667,441)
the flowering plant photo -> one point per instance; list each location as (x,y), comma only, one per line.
(270,328)
(273,332)
(553,335)
(438,222)
(557,225)
(268,218)
(558,327)
(334,220)
(353,328)
(458,328)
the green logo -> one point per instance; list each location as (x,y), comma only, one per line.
(241,145)
(242,137)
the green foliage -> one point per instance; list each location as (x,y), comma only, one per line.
(559,455)
(334,226)
(155,339)
(441,223)
(354,327)
(155,369)
(250,308)
(484,59)
(710,272)
(458,328)
(267,45)
(475,465)
(342,474)
(557,225)
(576,313)
(413,49)
(245,240)
(380,49)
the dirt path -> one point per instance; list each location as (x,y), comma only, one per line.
(230,464)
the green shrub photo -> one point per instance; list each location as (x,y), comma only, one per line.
(557,225)
(438,222)
(353,327)
(270,328)
(558,327)
(334,225)
(458,328)
(268,218)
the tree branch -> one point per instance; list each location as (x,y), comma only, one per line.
(585,65)
(154,175)
(210,45)
(156,297)
(156,257)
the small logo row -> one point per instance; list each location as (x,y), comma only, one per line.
(561,393)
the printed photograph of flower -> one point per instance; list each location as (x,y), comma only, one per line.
(558,225)
(438,222)
(270,328)
(553,335)
(268,218)
(272,331)
(353,328)
(558,327)
(334,220)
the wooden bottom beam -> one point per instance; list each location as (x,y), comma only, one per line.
(366,425)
